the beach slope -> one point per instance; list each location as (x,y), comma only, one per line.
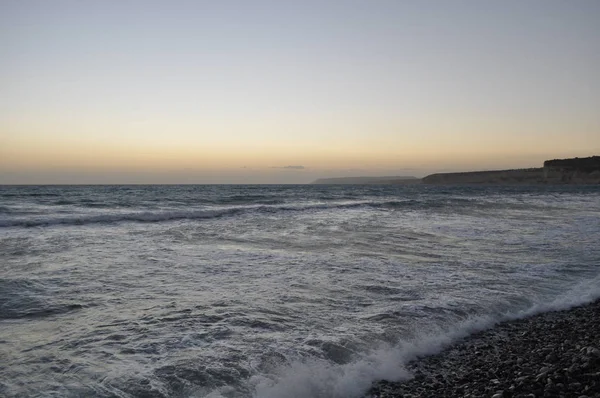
(554,354)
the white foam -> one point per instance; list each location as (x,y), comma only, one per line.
(112,218)
(159,216)
(320,379)
(584,292)
(323,379)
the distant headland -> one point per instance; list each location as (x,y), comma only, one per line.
(553,172)
(369,180)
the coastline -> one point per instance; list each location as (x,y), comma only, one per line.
(551,354)
(574,171)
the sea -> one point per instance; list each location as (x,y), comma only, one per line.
(272,291)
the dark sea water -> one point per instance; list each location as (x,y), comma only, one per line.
(272,291)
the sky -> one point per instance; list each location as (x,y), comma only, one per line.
(128,91)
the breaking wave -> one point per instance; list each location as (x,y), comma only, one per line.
(208,213)
(323,379)
(160,216)
(109,218)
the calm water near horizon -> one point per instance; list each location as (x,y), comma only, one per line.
(289,291)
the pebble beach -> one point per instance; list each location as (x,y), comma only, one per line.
(553,354)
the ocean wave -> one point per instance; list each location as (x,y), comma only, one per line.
(161,216)
(30,194)
(317,378)
(21,298)
(41,312)
(150,216)
(110,218)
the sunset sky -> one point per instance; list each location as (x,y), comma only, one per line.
(237,91)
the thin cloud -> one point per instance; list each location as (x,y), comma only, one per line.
(289,167)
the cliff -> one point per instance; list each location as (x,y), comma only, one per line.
(556,171)
(590,164)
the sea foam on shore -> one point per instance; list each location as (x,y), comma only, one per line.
(551,354)
(401,363)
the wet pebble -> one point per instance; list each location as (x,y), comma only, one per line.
(548,355)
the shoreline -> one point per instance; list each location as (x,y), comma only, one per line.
(551,354)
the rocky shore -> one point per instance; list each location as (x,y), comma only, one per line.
(554,354)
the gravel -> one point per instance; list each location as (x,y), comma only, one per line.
(554,354)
